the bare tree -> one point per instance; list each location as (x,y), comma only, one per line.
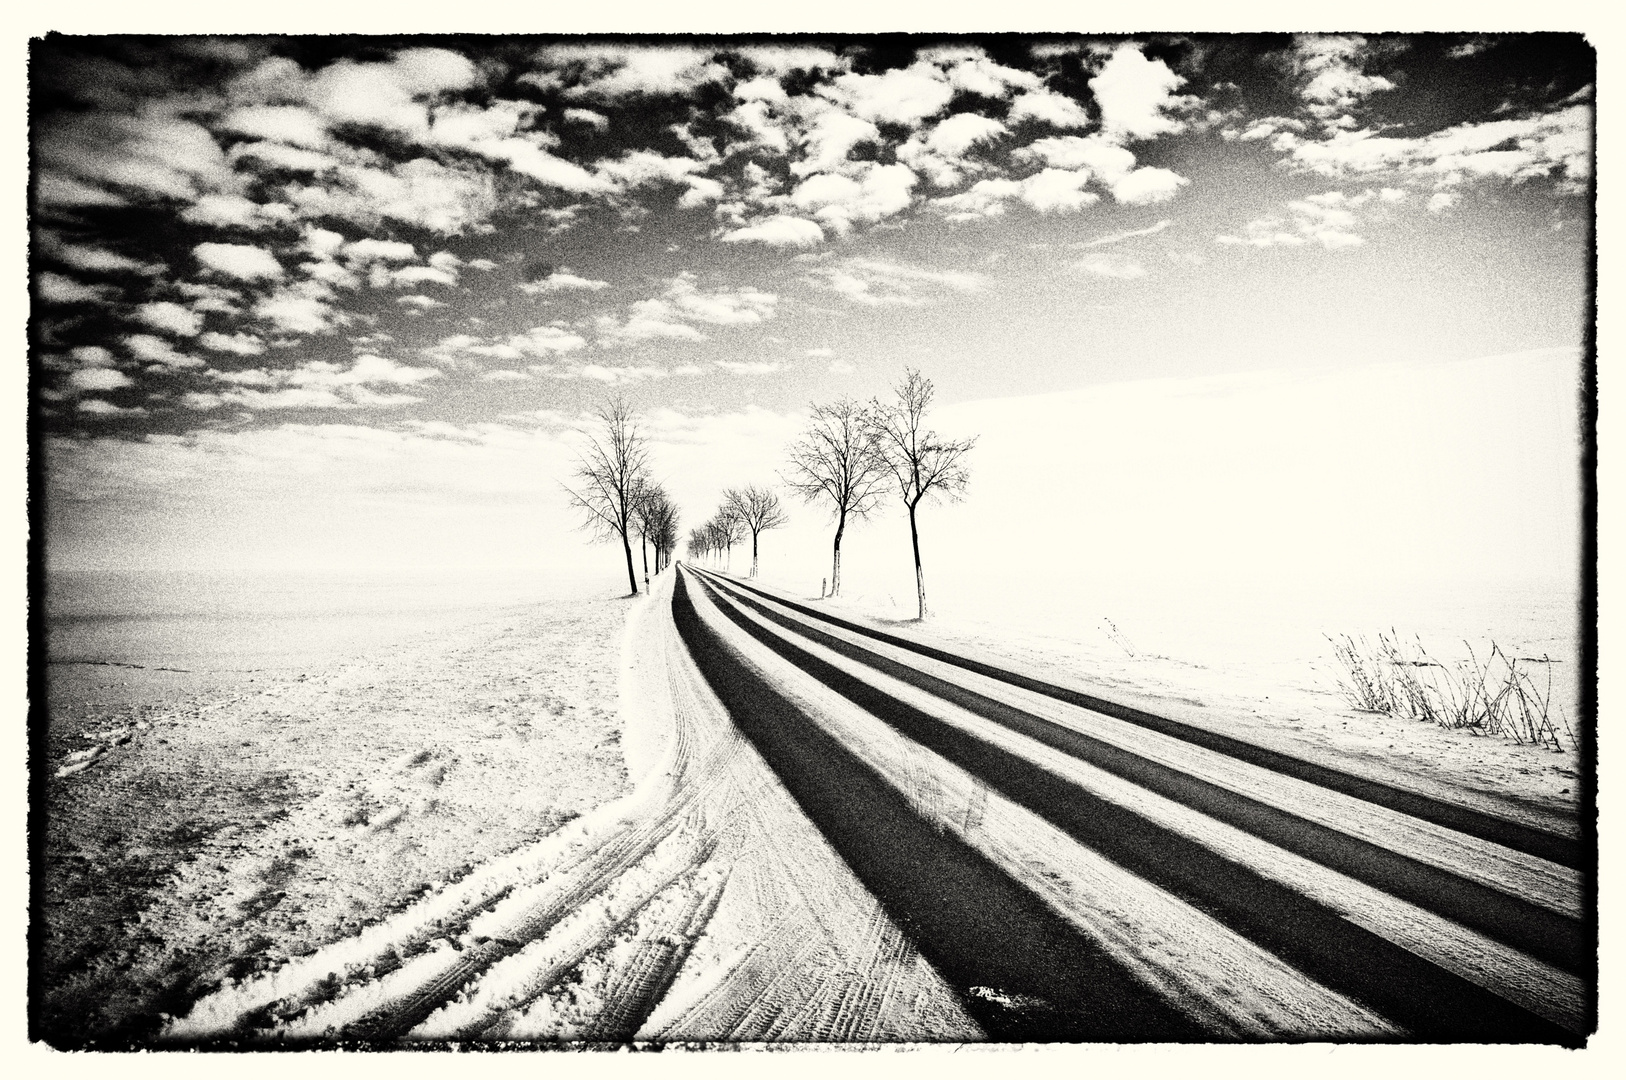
(648,511)
(665,537)
(758,510)
(611,476)
(922,462)
(726,530)
(838,459)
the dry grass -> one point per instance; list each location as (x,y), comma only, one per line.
(1493,696)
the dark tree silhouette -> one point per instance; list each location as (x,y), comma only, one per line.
(651,512)
(838,460)
(758,511)
(921,461)
(611,476)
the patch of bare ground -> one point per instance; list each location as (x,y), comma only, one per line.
(218,836)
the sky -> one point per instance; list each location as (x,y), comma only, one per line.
(1243,299)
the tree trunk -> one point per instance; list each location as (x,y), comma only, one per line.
(632,576)
(643,546)
(835,568)
(753,554)
(920,576)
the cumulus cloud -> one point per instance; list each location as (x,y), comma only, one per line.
(781,230)
(611,72)
(239,343)
(99,378)
(1331,67)
(170,316)
(1136,96)
(156,350)
(878,192)
(243,262)
(1147,185)
(235,211)
(1055,109)
(899,96)
(302,308)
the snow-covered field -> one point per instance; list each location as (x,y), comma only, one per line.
(229,820)
(536,821)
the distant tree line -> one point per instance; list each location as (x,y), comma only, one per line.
(617,495)
(848,458)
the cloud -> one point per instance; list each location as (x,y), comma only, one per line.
(420,302)
(1136,96)
(239,343)
(142,155)
(170,316)
(99,378)
(97,260)
(302,308)
(1111,266)
(60,289)
(443,199)
(1441,201)
(234,211)
(294,125)
(841,367)
(670,314)
(899,96)
(244,262)
(1148,185)
(98,407)
(366,250)
(611,72)
(1058,189)
(723,307)
(559,281)
(156,350)
(587,116)
(1055,109)
(819,353)
(1113,238)
(1556,142)
(1335,83)
(781,230)
(830,138)
(840,202)
(876,283)
(1327,219)
(388,94)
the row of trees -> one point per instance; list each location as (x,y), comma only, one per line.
(852,454)
(749,510)
(617,495)
(849,458)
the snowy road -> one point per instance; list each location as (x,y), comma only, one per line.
(841,834)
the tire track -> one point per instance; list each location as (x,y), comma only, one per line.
(1564,850)
(1429,1002)
(1533,929)
(973,922)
